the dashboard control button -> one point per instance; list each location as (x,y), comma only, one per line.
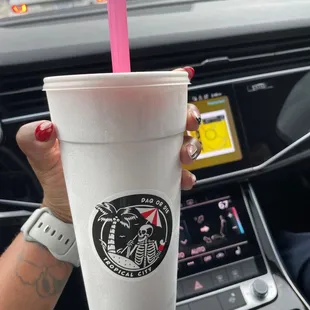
(231,299)
(183,307)
(181,255)
(190,202)
(196,285)
(220,277)
(249,268)
(208,259)
(238,251)
(235,273)
(220,255)
(192,263)
(206,303)
(260,288)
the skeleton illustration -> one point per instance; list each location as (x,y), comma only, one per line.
(145,251)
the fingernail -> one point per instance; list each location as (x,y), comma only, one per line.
(194,179)
(196,114)
(44,131)
(192,151)
(190,71)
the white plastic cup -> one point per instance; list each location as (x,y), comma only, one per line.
(120,137)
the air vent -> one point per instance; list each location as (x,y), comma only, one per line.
(17,181)
(231,60)
(20,87)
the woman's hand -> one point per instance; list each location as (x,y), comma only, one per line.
(39,143)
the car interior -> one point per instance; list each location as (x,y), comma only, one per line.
(240,224)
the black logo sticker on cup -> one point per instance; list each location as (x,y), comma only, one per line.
(132,233)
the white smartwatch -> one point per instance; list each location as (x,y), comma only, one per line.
(58,237)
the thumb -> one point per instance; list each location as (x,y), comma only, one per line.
(38,142)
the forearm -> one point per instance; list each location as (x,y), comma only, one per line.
(30,277)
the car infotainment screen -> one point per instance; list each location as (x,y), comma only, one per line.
(214,231)
(247,121)
(217,134)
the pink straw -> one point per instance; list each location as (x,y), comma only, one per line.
(117,14)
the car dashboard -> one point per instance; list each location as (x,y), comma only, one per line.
(252,66)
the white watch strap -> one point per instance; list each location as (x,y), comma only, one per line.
(58,237)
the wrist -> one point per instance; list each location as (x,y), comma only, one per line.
(45,228)
(61,211)
(64,218)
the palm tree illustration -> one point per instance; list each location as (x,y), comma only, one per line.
(121,216)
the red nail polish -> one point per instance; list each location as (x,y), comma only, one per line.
(44,131)
(190,71)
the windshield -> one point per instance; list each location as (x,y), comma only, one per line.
(11,8)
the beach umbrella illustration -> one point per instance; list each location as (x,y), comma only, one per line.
(151,215)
